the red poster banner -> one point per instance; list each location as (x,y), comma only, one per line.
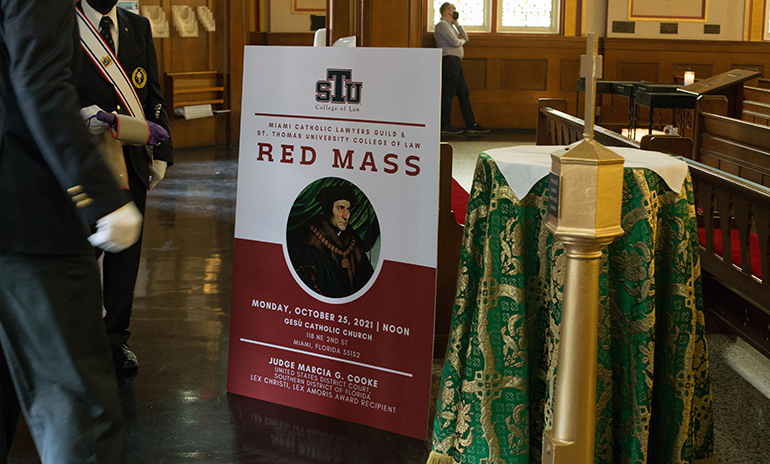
(353,361)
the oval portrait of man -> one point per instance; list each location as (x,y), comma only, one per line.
(333,238)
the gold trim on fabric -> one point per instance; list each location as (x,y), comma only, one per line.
(496,400)
(436,458)
(711,460)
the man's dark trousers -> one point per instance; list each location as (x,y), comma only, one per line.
(135,51)
(120,272)
(74,415)
(453,83)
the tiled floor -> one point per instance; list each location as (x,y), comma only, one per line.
(176,406)
(740,384)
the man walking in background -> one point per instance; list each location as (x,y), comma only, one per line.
(450,37)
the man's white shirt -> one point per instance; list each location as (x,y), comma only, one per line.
(95,17)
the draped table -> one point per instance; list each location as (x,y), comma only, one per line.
(653,391)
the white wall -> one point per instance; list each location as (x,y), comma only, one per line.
(727,13)
(281,19)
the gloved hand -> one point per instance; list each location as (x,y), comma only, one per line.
(157,172)
(157,134)
(95,126)
(108,118)
(118,230)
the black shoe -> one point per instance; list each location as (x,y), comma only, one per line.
(124,358)
(450,130)
(476,129)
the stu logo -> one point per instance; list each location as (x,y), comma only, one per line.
(338,88)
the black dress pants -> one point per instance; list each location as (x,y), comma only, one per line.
(58,360)
(453,83)
(119,271)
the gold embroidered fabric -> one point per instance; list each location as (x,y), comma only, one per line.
(653,391)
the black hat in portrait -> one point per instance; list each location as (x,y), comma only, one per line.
(333,238)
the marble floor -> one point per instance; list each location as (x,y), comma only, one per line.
(176,406)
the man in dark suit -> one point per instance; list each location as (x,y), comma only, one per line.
(132,39)
(53,184)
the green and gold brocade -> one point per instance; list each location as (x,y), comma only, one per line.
(653,392)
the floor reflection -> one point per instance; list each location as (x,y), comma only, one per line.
(176,407)
(269,432)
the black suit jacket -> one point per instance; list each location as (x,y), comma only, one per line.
(136,51)
(52,180)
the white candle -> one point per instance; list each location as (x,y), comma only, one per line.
(689,77)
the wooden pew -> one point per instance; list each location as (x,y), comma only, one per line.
(734,146)
(733,210)
(556,127)
(731,175)
(763,83)
(734,214)
(756,105)
(450,235)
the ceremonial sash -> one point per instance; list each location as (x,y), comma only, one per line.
(107,63)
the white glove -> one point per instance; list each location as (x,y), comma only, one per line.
(95,127)
(118,230)
(157,172)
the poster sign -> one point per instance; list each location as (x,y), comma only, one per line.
(335,233)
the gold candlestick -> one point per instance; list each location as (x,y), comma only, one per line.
(584,204)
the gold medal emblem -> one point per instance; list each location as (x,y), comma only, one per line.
(106,61)
(139,77)
(345,263)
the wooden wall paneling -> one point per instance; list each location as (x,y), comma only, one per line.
(475,71)
(296,39)
(213,37)
(524,75)
(569,72)
(363,22)
(427,41)
(415,22)
(381,23)
(716,56)
(189,53)
(637,71)
(202,53)
(193,132)
(493,74)
(499,106)
(508,100)
(340,19)
(257,38)
(389,23)
(701,70)
(162,46)
(633,71)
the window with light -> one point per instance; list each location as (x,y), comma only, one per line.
(505,16)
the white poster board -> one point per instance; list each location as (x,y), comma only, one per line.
(335,233)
